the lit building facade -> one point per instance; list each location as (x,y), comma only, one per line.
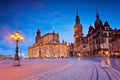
(100,39)
(78,36)
(97,41)
(115,42)
(48,46)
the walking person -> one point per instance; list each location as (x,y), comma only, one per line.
(62,57)
(114,56)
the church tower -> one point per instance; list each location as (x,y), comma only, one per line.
(98,23)
(78,35)
(38,35)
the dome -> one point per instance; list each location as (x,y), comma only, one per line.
(98,23)
(38,30)
(91,27)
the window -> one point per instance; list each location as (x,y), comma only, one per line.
(106,28)
(105,34)
(84,46)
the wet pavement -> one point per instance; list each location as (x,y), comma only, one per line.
(115,63)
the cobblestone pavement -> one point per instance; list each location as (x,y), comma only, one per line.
(57,69)
(115,63)
(79,70)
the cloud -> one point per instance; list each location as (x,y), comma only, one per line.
(6,42)
(5,32)
(8,46)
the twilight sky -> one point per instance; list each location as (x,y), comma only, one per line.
(27,16)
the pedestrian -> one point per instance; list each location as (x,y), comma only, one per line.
(114,56)
(62,57)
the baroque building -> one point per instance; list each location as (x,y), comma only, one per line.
(48,46)
(78,35)
(98,40)
(115,42)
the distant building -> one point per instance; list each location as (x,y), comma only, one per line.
(115,42)
(6,57)
(48,46)
(97,41)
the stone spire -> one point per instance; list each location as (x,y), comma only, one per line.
(38,35)
(38,32)
(98,23)
(77,17)
(97,15)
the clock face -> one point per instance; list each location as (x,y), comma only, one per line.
(75,28)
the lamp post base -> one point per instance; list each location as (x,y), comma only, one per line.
(16,59)
(16,63)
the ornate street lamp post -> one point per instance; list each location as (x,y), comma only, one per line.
(16,37)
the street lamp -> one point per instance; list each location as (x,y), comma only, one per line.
(16,37)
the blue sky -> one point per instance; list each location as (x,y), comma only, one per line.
(50,15)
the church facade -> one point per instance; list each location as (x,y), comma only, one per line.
(48,46)
(100,39)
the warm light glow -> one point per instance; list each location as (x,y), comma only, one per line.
(116,53)
(75,29)
(12,36)
(17,33)
(17,36)
(79,54)
(107,52)
(68,44)
(21,38)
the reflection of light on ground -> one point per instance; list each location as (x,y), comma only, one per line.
(105,62)
(117,62)
(79,58)
(108,62)
(107,53)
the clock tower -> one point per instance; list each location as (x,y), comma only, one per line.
(78,34)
